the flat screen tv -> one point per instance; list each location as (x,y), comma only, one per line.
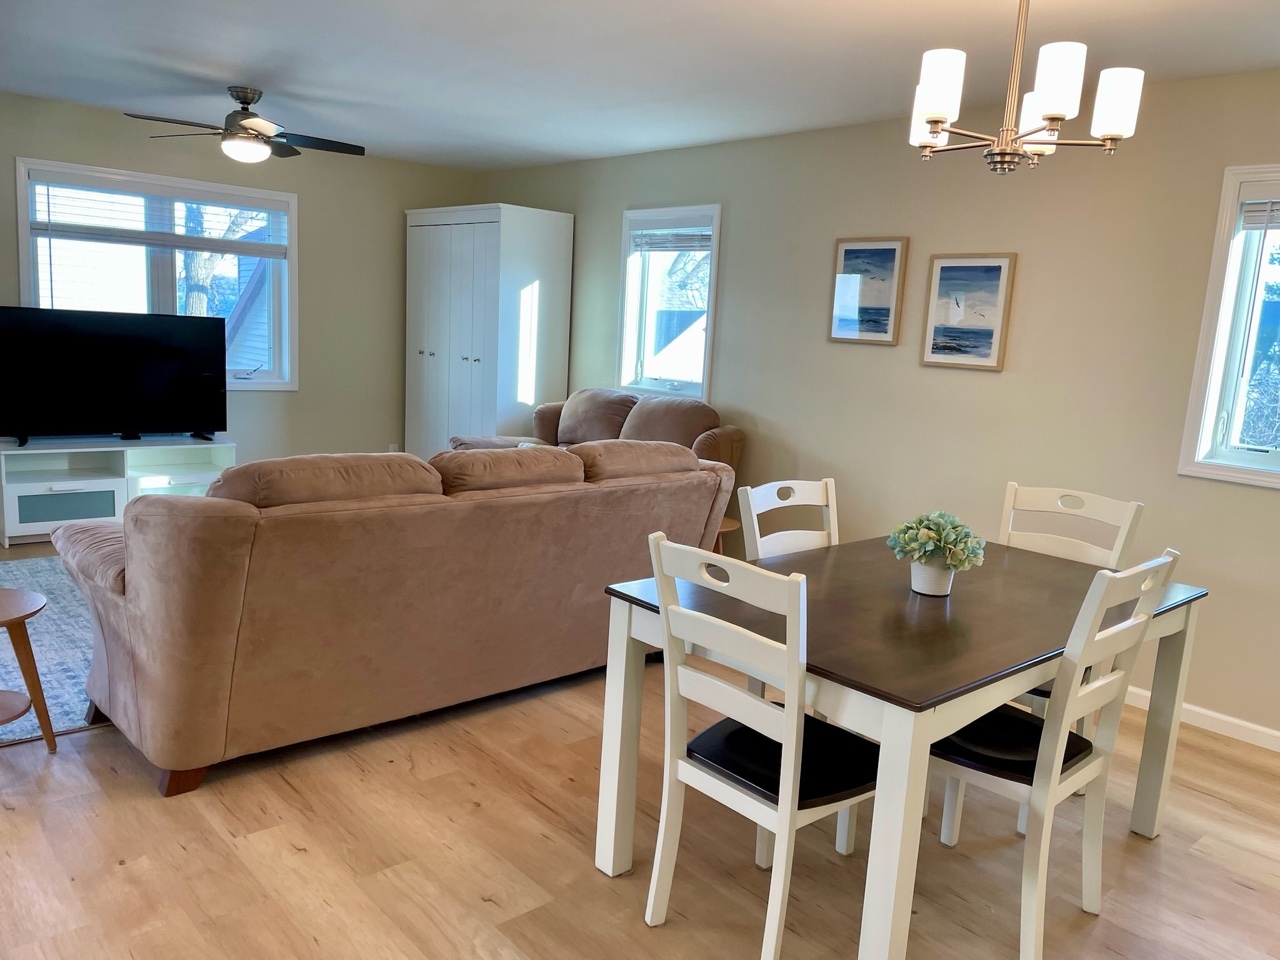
(80,373)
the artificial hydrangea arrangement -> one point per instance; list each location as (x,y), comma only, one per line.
(937,536)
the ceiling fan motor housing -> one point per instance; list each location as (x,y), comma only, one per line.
(245,96)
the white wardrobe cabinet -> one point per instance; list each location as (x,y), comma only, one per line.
(488,291)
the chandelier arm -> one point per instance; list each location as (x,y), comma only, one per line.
(1082,143)
(984,138)
(1032,132)
(952,147)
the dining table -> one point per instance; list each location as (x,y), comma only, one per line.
(905,670)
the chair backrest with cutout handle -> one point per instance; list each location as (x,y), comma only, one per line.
(757,501)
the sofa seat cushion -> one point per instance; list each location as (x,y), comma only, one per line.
(94,550)
(594,414)
(462,471)
(679,420)
(616,459)
(326,476)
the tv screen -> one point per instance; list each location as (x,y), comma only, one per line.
(71,373)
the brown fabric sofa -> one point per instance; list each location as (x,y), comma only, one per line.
(599,413)
(313,595)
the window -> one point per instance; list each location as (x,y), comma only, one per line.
(1233,422)
(668,300)
(94,239)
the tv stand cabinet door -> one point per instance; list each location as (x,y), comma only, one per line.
(34,509)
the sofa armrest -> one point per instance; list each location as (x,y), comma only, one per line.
(490,443)
(546,422)
(94,550)
(723,444)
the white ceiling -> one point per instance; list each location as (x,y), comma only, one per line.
(493,83)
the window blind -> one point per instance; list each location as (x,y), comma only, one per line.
(678,239)
(1260,215)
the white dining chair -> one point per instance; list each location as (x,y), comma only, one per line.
(772,763)
(1039,761)
(1060,502)
(753,503)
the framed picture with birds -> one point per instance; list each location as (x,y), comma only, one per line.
(967,313)
(866,296)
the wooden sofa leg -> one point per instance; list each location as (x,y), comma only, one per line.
(94,715)
(174,782)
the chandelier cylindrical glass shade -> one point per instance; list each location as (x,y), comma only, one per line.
(1115,111)
(919,135)
(941,85)
(1032,117)
(1060,77)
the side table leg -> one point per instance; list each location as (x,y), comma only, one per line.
(21,641)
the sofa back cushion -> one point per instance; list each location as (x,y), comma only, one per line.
(616,459)
(594,414)
(326,476)
(679,420)
(462,471)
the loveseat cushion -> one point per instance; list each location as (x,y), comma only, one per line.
(596,413)
(326,476)
(679,420)
(615,459)
(93,549)
(465,470)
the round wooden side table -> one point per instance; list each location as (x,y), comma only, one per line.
(16,608)
(727,525)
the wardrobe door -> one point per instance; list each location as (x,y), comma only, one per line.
(461,321)
(437,371)
(484,330)
(416,371)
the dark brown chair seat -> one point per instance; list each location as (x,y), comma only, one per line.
(835,764)
(1004,743)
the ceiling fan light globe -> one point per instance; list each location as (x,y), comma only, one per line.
(245,147)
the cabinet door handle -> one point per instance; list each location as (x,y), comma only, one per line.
(476,360)
(431,354)
(65,488)
(421,352)
(465,359)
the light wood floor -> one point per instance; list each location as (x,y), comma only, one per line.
(469,834)
(23,551)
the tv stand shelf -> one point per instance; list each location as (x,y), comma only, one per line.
(47,482)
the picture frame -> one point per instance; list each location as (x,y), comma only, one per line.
(967,310)
(866,295)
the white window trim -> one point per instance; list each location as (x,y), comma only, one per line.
(1215,334)
(199,190)
(708,209)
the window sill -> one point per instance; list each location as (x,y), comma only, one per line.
(276,385)
(1231,473)
(645,389)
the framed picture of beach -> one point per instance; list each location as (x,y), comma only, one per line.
(867,297)
(967,322)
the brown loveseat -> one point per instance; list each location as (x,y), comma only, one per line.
(313,595)
(599,413)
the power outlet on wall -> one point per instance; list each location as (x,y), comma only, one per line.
(393,448)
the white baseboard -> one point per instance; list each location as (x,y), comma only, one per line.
(1215,722)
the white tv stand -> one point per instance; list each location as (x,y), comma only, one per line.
(48,482)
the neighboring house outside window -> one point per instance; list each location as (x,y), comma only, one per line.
(1233,420)
(95,239)
(668,300)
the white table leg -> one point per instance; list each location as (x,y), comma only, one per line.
(620,752)
(1164,713)
(895,835)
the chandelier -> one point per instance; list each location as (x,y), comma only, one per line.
(1054,99)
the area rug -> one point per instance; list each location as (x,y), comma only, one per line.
(62,641)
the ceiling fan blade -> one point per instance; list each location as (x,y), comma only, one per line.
(185,123)
(279,149)
(319,143)
(170,136)
(261,126)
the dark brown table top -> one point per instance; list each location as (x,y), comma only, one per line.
(870,632)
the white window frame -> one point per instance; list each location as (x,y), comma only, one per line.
(629,217)
(1204,452)
(285,329)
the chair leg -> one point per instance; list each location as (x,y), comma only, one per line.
(1035,872)
(1023,810)
(846,829)
(664,858)
(1095,804)
(764,848)
(952,808)
(779,891)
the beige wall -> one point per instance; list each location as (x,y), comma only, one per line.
(1113,257)
(350,283)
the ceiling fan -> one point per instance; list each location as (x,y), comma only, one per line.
(250,138)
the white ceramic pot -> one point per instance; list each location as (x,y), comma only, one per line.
(932,579)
